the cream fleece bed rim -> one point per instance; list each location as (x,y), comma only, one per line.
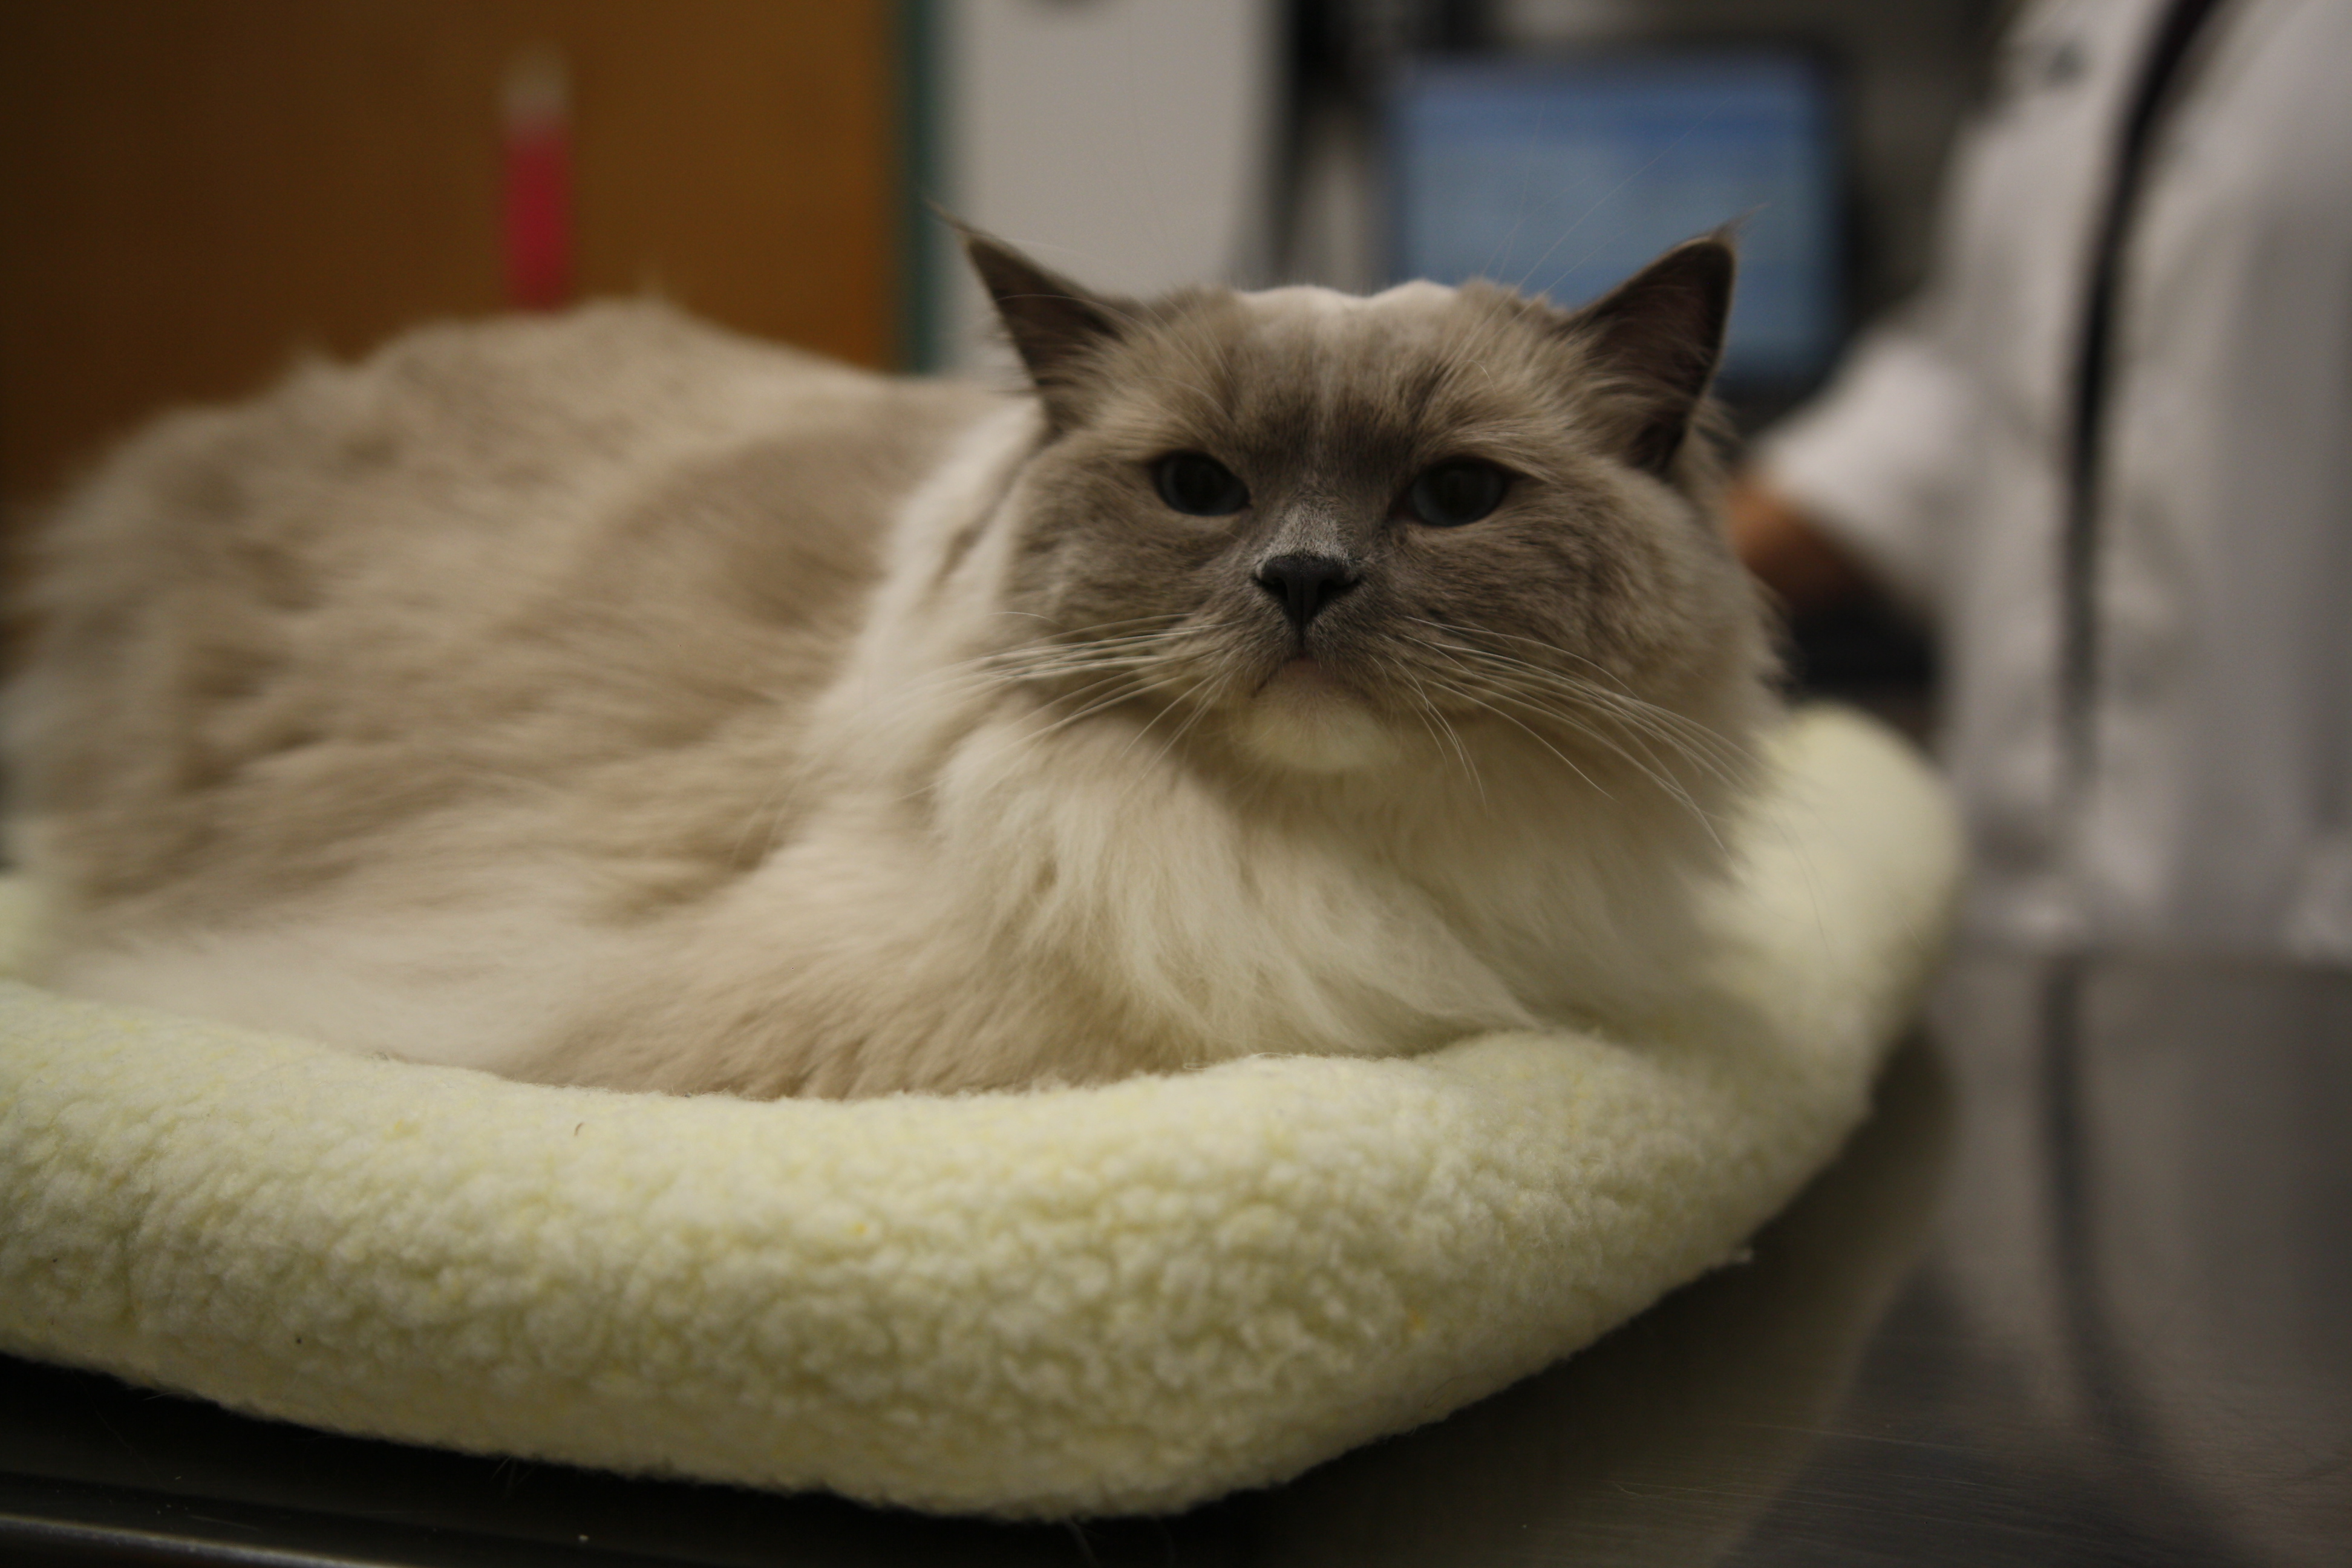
(1081,1302)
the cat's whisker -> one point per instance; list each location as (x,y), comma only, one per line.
(1476,700)
(1039,658)
(1519,285)
(1427,713)
(883,703)
(1201,709)
(1052,661)
(1693,740)
(1127,691)
(1470,637)
(1694,743)
(1041,684)
(1175,735)
(1098,626)
(1666,784)
(1056,666)
(1138,651)
(1640,726)
(1621,692)
(1438,725)
(1136,780)
(1456,629)
(1651,769)
(1065,647)
(1080,639)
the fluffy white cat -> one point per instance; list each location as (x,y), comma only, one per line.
(608,700)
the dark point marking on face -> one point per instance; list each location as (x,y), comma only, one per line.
(1296,469)
(1662,332)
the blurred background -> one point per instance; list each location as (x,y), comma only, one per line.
(2122,1346)
(193,193)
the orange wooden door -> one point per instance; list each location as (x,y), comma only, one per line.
(193,192)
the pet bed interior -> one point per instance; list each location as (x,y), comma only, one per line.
(1129,1298)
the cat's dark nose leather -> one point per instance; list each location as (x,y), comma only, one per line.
(1305,586)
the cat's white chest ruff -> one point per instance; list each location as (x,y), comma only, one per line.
(1306,719)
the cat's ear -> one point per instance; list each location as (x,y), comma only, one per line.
(1657,339)
(1058,327)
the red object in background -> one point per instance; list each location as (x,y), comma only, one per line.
(537,208)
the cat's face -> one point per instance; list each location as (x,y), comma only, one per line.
(1336,529)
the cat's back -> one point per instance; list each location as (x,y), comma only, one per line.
(521,444)
(508,550)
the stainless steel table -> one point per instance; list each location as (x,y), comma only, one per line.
(2079,1294)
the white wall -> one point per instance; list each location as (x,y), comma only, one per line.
(1129,144)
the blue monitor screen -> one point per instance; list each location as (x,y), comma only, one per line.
(1563,176)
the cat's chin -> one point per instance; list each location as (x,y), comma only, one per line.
(1305,721)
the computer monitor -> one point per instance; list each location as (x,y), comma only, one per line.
(1562,175)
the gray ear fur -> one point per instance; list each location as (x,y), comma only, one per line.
(1659,335)
(1056,326)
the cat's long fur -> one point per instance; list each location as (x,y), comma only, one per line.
(608,700)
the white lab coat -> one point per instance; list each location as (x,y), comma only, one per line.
(2217,811)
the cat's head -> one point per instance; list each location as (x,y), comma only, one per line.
(1338,531)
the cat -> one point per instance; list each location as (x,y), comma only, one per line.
(609,699)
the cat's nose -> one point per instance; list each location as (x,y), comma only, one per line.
(1305,586)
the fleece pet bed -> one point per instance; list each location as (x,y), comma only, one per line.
(1074,1301)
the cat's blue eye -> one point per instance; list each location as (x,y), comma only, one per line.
(1452,494)
(1197,485)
